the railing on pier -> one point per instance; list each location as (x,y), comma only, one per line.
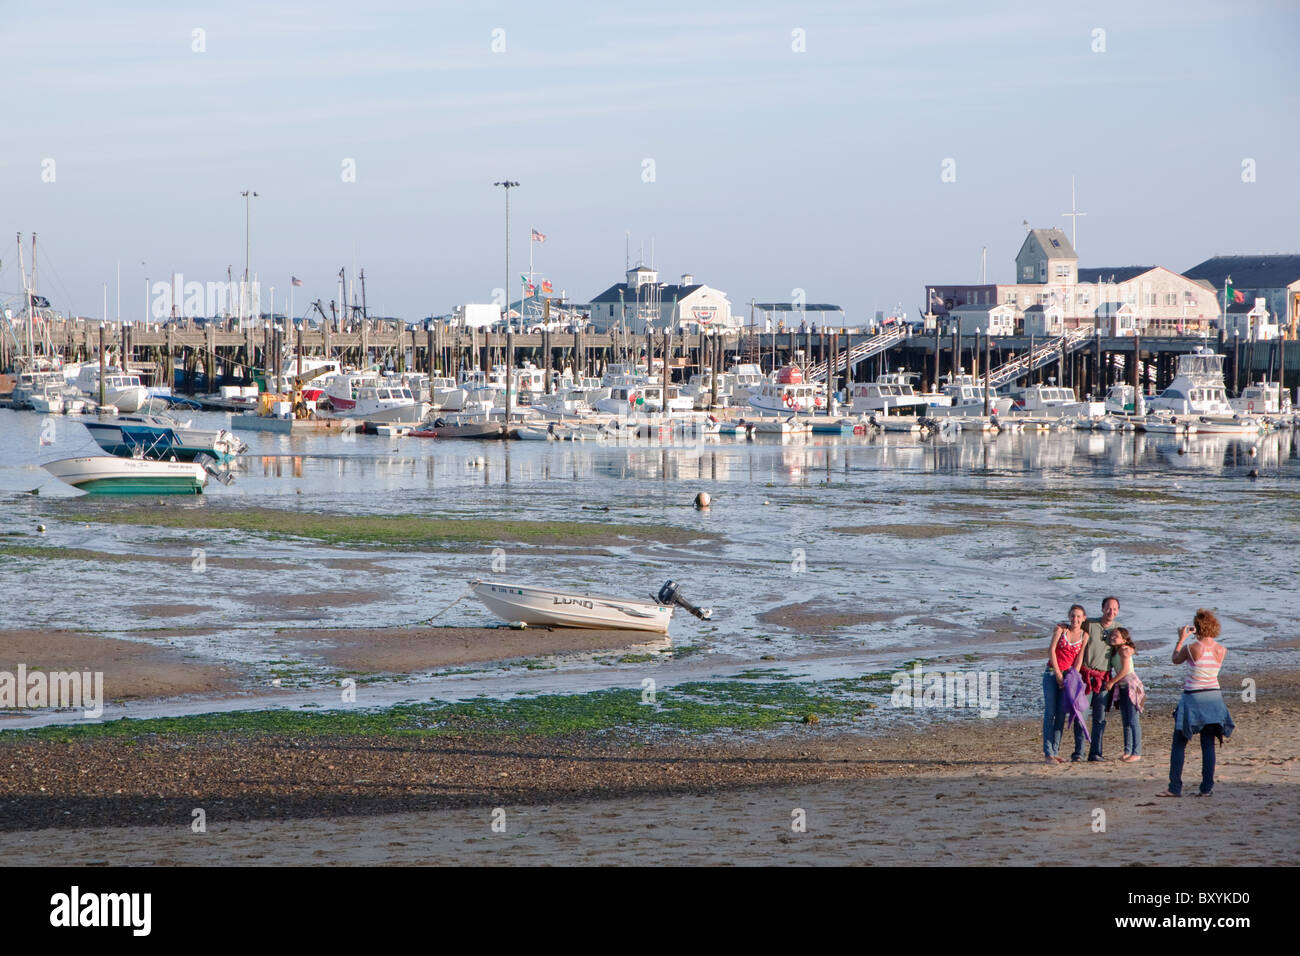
(859,353)
(1046,354)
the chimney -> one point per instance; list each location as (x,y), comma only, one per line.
(688,279)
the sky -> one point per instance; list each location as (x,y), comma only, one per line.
(854,151)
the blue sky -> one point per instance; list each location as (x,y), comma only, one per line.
(774,170)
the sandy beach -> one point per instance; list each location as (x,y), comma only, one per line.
(956,791)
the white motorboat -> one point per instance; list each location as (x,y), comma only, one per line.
(1262,398)
(1047,401)
(967,399)
(787,392)
(890,394)
(1121,400)
(121,390)
(1197,388)
(563,608)
(389,404)
(129,476)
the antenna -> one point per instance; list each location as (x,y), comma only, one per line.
(984,264)
(1074,215)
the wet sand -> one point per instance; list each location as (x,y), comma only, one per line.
(131,669)
(946,792)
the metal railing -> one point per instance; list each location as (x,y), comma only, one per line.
(1044,354)
(863,350)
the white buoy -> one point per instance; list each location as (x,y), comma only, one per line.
(702,501)
(1253,451)
(40,529)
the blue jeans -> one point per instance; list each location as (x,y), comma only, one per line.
(1098,728)
(1176,754)
(1132,721)
(1053,715)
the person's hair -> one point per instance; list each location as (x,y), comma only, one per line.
(1207,623)
(1080,607)
(1110,598)
(1126,637)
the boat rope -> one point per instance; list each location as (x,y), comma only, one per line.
(464,594)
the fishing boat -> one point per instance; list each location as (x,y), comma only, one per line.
(1121,400)
(966,396)
(461,425)
(1049,401)
(787,392)
(106,475)
(1197,388)
(1262,398)
(121,389)
(550,607)
(892,393)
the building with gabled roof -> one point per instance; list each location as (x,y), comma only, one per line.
(1274,278)
(642,302)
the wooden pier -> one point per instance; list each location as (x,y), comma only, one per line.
(216,356)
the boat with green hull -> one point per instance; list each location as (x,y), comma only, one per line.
(106,475)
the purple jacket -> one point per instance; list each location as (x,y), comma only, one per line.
(1076,701)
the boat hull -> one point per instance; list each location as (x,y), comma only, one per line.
(129,476)
(553,608)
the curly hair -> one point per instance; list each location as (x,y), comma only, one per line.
(1207,624)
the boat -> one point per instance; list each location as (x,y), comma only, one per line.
(107,475)
(786,392)
(892,393)
(550,607)
(121,389)
(1236,425)
(1262,398)
(1046,401)
(390,404)
(158,437)
(57,400)
(1121,400)
(461,425)
(1197,388)
(966,396)
(789,426)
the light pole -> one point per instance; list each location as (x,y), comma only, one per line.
(507,185)
(248,195)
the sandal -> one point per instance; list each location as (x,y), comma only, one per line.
(1166,793)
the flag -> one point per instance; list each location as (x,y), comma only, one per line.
(546,285)
(531,288)
(523,279)
(537,236)
(295,280)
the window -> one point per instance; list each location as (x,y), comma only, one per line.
(1084,298)
(1171,298)
(1188,298)
(1028,272)
(1062,270)
(1148,298)
(1042,298)
(1042,271)
(1011,298)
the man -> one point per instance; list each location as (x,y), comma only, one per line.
(1097,661)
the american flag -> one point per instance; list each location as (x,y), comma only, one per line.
(537,236)
(295,280)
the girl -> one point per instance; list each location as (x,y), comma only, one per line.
(1127,689)
(1063,654)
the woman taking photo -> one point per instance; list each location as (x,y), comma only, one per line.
(1201,709)
(1064,654)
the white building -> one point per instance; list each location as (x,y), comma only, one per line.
(643,300)
(1249,323)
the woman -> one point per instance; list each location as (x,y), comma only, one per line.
(1201,709)
(1064,654)
(1127,692)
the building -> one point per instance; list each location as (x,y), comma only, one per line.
(642,300)
(1274,278)
(974,317)
(1161,302)
(1250,322)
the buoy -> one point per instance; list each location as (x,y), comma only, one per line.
(1254,473)
(766,502)
(1182,448)
(40,529)
(702,500)
(1253,451)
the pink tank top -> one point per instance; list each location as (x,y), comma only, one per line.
(1203,672)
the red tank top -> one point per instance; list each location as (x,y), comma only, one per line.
(1066,653)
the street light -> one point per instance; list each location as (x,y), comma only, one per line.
(248,195)
(507,185)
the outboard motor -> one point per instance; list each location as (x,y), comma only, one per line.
(669,594)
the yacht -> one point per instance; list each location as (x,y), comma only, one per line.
(1197,388)
(966,397)
(787,392)
(388,403)
(1262,398)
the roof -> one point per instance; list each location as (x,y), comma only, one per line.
(984,307)
(666,293)
(791,307)
(1038,307)
(1112,273)
(1241,308)
(1249,272)
(1112,308)
(1054,243)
